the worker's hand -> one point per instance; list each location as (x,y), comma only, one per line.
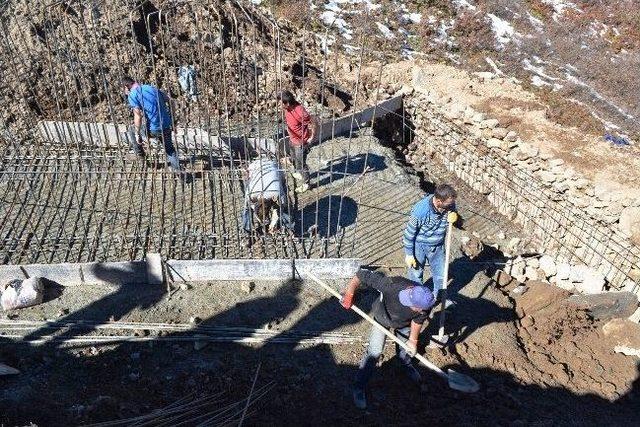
(413,347)
(347,300)
(452,217)
(410,261)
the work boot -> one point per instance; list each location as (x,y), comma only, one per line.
(359,398)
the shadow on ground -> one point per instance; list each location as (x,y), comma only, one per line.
(312,383)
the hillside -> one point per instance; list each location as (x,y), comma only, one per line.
(581,57)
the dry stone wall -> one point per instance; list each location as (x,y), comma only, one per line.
(591,235)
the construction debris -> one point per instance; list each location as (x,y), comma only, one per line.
(22,293)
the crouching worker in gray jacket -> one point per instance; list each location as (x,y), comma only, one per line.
(265,198)
(403,306)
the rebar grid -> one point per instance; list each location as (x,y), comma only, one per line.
(69,191)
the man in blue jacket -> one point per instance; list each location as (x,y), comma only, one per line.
(424,236)
(149,102)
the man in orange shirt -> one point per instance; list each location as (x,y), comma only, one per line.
(301,128)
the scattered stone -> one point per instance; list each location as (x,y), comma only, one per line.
(471,246)
(500,133)
(195,320)
(511,136)
(547,177)
(248,287)
(185,287)
(63,312)
(7,370)
(531,273)
(515,267)
(586,279)
(533,262)
(489,123)
(496,143)
(565,284)
(563,271)
(606,305)
(555,162)
(630,223)
(519,290)
(513,244)
(548,265)
(478,117)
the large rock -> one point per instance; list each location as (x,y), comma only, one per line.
(630,223)
(586,279)
(471,246)
(563,271)
(548,265)
(606,305)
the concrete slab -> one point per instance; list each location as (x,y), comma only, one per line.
(149,272)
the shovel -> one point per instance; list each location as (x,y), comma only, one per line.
(456,380)
(441,339)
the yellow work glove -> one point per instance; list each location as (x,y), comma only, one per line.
(452,217)
(410,261)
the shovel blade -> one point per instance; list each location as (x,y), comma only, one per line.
(462,382)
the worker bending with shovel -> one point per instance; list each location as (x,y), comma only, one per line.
(403,307)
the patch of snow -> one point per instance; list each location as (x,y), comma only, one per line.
(256,2)
(535,21)
(413,18)
(540,78)
(442,36)
(331,19)
(573,79)
(463,4)
(502,29)
(559,7)
(494,66)
(326,41)
(385,31)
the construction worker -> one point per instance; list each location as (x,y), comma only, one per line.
(152,104)
(424,235)
(402,306)
(301,127)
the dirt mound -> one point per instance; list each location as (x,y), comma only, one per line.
(554,343)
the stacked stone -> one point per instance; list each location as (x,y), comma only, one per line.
(562,209)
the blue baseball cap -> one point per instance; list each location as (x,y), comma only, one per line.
(417,296)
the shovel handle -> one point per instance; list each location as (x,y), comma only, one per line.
(445,279)
(369,319)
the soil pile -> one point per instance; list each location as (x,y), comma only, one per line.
(554,343)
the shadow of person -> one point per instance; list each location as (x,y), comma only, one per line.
(346,166)
(326,217)
(468,314)
(124,299)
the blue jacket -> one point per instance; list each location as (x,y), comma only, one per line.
(426,227)
(153,104)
